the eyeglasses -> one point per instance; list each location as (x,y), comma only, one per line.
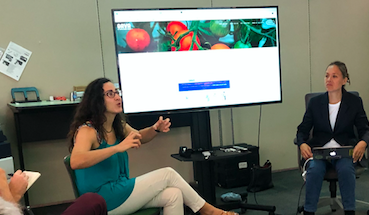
(111,93)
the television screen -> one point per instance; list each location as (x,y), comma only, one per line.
(189,59)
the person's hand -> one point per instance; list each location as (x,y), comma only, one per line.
(162,125)
(359,151)
(18,185)
(133,140)
(3,180)
(306,151)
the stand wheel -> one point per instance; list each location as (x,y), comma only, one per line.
(244,201)
(300,209)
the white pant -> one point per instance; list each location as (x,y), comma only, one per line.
(161,188)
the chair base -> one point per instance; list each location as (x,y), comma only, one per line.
(334,203)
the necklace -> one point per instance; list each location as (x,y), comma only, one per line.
(109,131)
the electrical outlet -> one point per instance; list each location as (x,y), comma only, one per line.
(242,165)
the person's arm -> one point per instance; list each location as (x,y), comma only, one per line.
(303,130)
(162,125)
(4,187)
(359,151)
(16,188)
(83,156)
(303,133)
(18,185)
(305,151)
(361,123)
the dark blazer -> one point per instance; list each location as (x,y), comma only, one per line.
(350,114)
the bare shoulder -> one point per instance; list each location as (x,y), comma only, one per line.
(86,130)
(86,136)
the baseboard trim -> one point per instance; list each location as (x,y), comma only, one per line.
(53,204)
(283,170)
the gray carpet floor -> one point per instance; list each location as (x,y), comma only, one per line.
(284,196)
(286,193)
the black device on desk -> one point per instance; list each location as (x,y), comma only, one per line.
(197,153)
(185,152)
(332,153)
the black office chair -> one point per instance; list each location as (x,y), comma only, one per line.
(147,211)
(331,174)
(27,211)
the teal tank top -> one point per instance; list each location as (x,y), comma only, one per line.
(109,178)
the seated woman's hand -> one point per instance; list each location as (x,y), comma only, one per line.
(18,184)
(306,151)
(133,140)
(3,180)
(359,151)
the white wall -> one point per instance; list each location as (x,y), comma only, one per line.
(64,39)
(340,31)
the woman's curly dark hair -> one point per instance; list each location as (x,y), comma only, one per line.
(92,108)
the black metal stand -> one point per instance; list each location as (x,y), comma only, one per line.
(204,169)
(27,211)
(245,206)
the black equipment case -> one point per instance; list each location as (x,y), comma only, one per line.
(236,172)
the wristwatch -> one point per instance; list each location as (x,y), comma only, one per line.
(155,128)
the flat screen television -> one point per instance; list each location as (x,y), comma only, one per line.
(192,59)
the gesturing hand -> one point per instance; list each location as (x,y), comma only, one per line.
(162,125)
(18,185)
(359,151)
(306,151)
(133,140)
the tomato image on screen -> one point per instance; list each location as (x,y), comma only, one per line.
(220,28)
(195,35)
(138,39)
(175,26)
(219,46)
(185,42)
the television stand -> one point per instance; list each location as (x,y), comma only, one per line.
(204,167)
(219,155)
(245,206)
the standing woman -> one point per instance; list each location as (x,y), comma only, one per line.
(333,116)
(99,141)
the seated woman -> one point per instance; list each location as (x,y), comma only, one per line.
(333,116)
(100,139)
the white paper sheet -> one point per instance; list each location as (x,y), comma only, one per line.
(14,60)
